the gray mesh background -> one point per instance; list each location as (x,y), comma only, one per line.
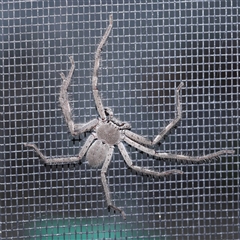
(152,48)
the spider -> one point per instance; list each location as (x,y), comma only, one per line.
(107,132)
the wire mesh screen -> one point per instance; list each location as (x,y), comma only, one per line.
(152,48)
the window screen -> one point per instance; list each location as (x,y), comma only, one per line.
(152,48)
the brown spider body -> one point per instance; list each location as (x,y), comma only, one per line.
(108,134)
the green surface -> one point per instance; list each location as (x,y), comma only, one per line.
(72,229)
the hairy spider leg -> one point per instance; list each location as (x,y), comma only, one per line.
(178,157)
(55,161)
(144,171)
(85,127)
(75,129)
(63,97)
(105,184)
(166,130)
(136,140)
(97,98)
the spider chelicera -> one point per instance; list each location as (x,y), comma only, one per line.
(107,132)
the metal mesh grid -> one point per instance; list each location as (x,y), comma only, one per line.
(152,48)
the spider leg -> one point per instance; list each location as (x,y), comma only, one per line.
(52,161)
(63,97)
(105,184)
(82,128)
(166,130)
(75,129)
(145,171)
(96,95)
(178,157)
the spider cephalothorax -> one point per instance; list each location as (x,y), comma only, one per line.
(107,132)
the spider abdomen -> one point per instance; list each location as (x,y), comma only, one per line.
(97,153)
(108,133)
